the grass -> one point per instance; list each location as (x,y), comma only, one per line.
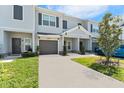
(115,72)
(22,73)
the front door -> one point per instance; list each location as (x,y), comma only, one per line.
(81,44)
(16,45)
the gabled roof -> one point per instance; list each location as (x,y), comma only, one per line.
(75,28)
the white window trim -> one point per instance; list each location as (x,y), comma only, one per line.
(13,13)
(49,20)
(52,21)
(27,44)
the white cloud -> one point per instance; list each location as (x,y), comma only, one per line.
(83,12)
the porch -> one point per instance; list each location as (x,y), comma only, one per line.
(74,44)
(17,42)
(76,38)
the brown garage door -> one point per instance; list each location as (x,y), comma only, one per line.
(48,47)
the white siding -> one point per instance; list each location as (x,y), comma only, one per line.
(48,29)
(7,21)
(77,34)
(94,34)
(71,22)
(8,40)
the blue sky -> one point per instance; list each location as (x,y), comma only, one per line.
(87,12)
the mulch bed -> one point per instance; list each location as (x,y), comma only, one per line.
(110,63)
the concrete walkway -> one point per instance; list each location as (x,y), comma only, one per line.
(9,59)
(57,71)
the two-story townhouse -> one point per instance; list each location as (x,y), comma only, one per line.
(17,27)
(24,27)
(56,29)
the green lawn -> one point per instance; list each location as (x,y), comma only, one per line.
(115,72)
(22,73)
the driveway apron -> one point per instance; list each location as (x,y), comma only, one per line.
(56,71)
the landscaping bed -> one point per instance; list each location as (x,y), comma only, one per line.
(21,73)
(116,72)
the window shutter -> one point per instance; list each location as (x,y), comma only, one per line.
(64,24)
(91,28)
(18,12)
(57,21)
(40,18)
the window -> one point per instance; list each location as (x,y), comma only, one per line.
(69,45)
(45,20)
(95,29)
(52,20)
(64,24)
(27,42)
(18,12)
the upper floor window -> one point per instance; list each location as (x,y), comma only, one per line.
(94,28)
(18,12)
(52,21)
(49,20)
(64,24)
(45,20)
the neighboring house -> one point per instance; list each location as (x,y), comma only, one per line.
(24,27)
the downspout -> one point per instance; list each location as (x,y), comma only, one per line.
(34,29)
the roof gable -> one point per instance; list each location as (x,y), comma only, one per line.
(77,31)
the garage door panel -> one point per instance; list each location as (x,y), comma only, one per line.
(48,47)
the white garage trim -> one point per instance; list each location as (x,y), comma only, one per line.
(58,46)
(50,36)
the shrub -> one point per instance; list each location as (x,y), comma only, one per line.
(1,56)
(37,50)
(64,51)
(28,54)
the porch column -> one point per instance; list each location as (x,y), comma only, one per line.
(58,46)
(78,44)
(33,42)
(62,41)
(90,44)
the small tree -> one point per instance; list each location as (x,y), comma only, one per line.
(64,50)
(82,49)
(109,31)
(37,50)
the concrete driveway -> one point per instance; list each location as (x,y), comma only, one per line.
(57,71)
